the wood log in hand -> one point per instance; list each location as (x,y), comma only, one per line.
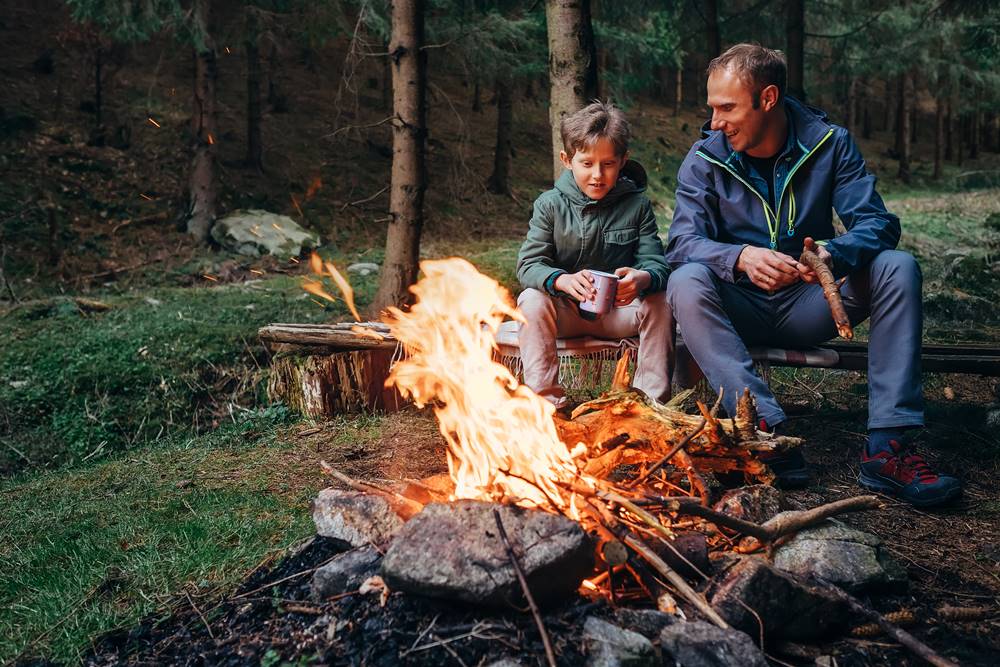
(831,291)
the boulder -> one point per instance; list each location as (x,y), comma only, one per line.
(647,622)
(346,572)
(756,503)
(788,609)
(701,644)
(454,551)
(608,645)
(363,268)
(254,232)
(850,558)
(354,519)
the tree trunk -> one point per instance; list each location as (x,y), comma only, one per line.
(903,131)
(678,89)
(201,209)
(866,123)
(914,116)
(477,96)
(568,61)
(852,106)
(255,149)
(713,38)
(98,101)
(386,80)
(595,72)
(960,139)
(890,110)
(949,131)
(938,137)
(409,135)
(499,181)
(795,37)
(974,128)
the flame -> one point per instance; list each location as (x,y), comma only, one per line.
(502,441)
(314,187)
(322,268)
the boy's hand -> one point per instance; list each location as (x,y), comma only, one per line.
(808,275)
(579,285)
(631,282)
(769,269)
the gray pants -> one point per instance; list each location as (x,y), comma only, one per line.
(718,320)
(550,317)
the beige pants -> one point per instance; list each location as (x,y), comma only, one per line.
(551,317)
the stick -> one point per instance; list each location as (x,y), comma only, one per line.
(914,645)
(670,454)
(403,505)
(791,523)
(831,293)
(549,654)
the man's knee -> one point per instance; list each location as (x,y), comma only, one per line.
(897,268)
(533,303)
(690,284)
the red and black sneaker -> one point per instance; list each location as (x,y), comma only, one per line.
(904,473)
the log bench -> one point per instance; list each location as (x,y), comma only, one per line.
(321,370)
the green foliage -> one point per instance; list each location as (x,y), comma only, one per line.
(639,39)
(131,20)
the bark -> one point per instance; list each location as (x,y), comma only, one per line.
(949,132)
(974,129)
(678,89)
(477,97)
(903,131)
(255,149)
(499,181)
(795,26)
(98,96)
(325,385)
(960,139)
(890,110)
(596,62)
(938,137)
(831,291)
(713,38)
(386,80)
(852,106)
(866,123)
(567,66)
(409,135)
(202,187)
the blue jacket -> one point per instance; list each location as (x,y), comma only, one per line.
(722,203)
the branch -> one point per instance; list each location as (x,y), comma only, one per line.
(346,128)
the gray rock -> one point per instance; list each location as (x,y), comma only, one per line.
(363,268)
(354,519)
(608,645)
(787,608)
(255,232)
(701,644)
(756,503)
(842,555)
(454,551)
(647,622)
(345,572)
(506,662)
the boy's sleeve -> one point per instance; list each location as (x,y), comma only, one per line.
(696,222)
(649,253)
(537,255)
(870,227)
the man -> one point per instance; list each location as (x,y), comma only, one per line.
(762,179)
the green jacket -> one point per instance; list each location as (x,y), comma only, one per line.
(570,232)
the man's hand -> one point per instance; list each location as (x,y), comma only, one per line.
(631,282)
(769,269)
(808,274)
(579,285)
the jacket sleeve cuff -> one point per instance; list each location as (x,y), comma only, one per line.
(550,283)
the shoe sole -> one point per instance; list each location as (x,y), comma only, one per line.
(795,480)
(890,489)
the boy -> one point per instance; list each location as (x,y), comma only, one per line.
(596,218)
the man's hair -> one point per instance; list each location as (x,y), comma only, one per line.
(756,66)
(597,120)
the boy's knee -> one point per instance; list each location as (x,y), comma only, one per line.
(532,302)
(690,283)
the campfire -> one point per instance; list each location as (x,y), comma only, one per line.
(635,478)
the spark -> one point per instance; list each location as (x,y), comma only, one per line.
(155,124)
(293,260)
(211,139)
(145,196)
(276,226)
(208,277)
(321,305)
(227,50)
(295,202)
(259,273)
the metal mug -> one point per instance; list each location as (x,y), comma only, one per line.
(603,301)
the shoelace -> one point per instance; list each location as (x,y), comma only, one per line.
(919,466)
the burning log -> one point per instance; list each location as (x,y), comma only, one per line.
(831,291)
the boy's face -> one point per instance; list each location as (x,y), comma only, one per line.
(595,167)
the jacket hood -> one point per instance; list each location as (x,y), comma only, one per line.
(810,124)
(631,180)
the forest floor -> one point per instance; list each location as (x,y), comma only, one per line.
(143,471)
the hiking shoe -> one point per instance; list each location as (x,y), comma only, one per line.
(901,472)
(789,468)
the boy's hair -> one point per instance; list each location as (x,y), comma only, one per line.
(756,66)
(597,120)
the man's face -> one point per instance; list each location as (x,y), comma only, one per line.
(731,101)
(595,168)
